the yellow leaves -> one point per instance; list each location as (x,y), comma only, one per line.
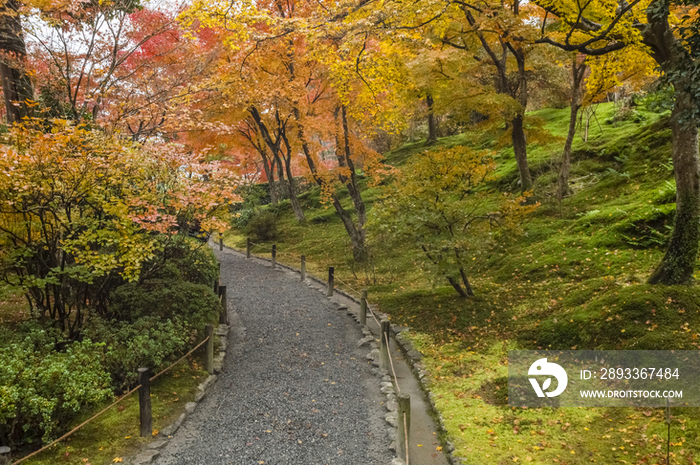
(117,460)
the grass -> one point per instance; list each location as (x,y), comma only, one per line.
(574,279)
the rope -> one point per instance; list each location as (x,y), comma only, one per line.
(108,407)
(346,284)
(79,426)
(405,428)
(181,359)
(372,313)
(391,362)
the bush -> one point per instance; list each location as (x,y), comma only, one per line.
(42,390)
(150,341)
(194,304)
(194,261)
(263,226)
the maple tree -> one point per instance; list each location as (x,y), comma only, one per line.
(81,212)
(436,202)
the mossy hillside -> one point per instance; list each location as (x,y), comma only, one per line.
(555,286)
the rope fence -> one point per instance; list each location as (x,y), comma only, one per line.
(386,359)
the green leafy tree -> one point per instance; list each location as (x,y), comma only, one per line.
(440,202)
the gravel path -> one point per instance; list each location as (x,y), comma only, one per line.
(295,389)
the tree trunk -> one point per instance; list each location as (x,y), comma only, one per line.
(563,189)
(679,262)
(432,121)
(577,73)
(269,174)
(520,149)
(457,287)
(298,212)
(357,234)
(465,280)
(16,84)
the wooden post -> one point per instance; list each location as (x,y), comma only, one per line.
(303,267)
(404,428)
(274,255)
(363,308)
(247,247)
(5,458)
(384,348)
(223,317)
(331,281)
(145,403)
(209,355)
(221,242)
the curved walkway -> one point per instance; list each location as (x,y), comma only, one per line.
(295,388)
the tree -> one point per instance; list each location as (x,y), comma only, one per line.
(598,28)
(16,85)
(80,212)
(578,72)
(438,202)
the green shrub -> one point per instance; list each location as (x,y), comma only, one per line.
(194,261)
(150,342)
(263,226)
(194,304)
(41,390)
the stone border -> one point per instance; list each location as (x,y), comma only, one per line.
(152,450)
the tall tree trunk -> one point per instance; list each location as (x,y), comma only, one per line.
(16,85)
(269,173)
(577,73)
(357,235)
(296,207)
(679,262)
(519,140)
(350,182)
(432,121)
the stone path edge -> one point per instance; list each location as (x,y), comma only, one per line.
(152,450)
(413,356)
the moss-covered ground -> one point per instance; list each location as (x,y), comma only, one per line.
(574,280)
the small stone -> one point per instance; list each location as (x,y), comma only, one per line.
(388,390)
(157,444)
(415,355)
(198,397)
(146,457)
(374,353)
(342,307)
(386,378)
(373,345)
(392,418)
(392,406)
(392,447)
(397,461)
(391,397)
(190,406)
(386,383)
(207,382)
